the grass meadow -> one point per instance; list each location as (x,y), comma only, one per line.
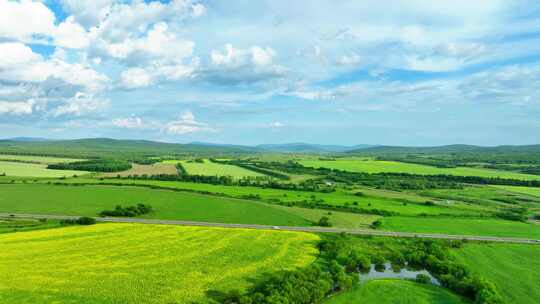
(154,169)
(388,291)
(340,197)
(90,200)
(212,169)
(129,263)
(375,166)
(20,169)
(514,268)
(462,226)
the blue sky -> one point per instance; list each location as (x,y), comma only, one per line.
(250,72)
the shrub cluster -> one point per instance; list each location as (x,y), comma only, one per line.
(324,222)
(80,221)
(130,211)
(513,214)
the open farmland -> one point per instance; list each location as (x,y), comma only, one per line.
(513,268)
(396,292)
(375,166)
(90,200)
(129,263)
(210,168)
(20,169)
(37,159)
(404,206)
(154,169)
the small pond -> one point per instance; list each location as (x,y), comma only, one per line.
(389,272)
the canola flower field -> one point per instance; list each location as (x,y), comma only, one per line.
(130,263)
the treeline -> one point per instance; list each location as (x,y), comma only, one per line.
(398,181)
(308,285)
(526,169)
(464,158)
(94,165)
(252,167)
(261,182)
(424,160)
(377,180)
(321,205)
(130,211)
(289,166)
(434,256)
(339,265)
(513,214)
(408,181)
(145,161)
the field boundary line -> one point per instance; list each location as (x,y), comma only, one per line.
(278,228)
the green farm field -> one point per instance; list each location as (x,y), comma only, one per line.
(154,169)
(90,200)
(129,263)
(462,226)
(514,268)
(37,159)
(336,218)
(523,190)
(19,169)
(387,291)
(489,195)
(375,166)
(210,168)
(409,204)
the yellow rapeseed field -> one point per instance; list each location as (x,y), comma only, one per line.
(134,263)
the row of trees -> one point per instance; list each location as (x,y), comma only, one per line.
(94,165)
(253,167)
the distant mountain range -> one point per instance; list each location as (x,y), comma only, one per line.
(292,147)
(28,139)
(92,147)
(309,148)
(448,149)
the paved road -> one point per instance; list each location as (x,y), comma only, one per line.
(284,228)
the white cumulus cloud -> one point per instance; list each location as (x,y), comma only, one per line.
(16,107)
(185,124)
(133,122)
(24,19)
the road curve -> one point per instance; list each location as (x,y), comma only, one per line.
(284,228)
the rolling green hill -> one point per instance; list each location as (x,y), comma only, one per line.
(106,147)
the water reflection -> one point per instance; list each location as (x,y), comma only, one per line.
(389,271)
